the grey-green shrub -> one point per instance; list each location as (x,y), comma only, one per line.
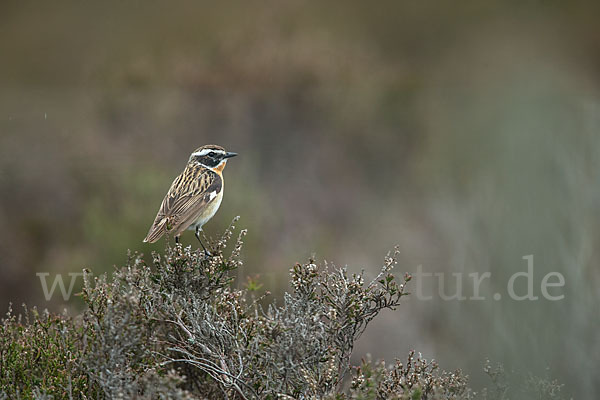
(178,329)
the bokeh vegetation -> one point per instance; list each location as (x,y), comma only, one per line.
(466,132)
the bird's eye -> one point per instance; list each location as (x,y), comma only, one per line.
(212,154)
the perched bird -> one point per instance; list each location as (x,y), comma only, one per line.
(194,197)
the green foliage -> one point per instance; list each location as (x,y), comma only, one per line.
(178,329)
(40,355)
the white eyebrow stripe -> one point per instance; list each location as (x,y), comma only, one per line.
(204,152)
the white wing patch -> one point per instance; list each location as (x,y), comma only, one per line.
(209,211)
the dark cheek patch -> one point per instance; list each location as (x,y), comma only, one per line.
(207,161)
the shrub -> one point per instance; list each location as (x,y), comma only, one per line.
(39,354)
(177,329)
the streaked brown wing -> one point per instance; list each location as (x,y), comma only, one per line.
(190,192)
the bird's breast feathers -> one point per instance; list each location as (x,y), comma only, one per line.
(214,202)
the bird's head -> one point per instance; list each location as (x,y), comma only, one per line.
(211,156)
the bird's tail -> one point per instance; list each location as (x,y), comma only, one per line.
(157,230)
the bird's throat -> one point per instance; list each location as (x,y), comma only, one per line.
(219,168)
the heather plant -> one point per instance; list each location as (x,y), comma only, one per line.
(39,355)
(415,379)
(176,328)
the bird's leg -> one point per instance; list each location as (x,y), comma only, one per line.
(206,252)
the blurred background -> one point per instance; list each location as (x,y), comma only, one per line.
(467,133)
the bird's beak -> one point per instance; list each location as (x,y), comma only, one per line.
(229,155)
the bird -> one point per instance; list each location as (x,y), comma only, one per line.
(194,196)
